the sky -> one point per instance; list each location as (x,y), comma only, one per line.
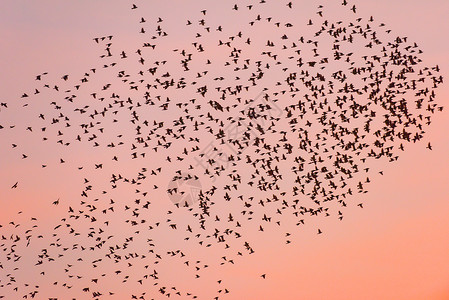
(395,247)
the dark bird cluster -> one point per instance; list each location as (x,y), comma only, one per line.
(289,132)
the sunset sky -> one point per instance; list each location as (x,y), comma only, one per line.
(396,247)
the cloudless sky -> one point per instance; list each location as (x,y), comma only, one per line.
(396,247)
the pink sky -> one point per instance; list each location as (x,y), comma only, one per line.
(396,247)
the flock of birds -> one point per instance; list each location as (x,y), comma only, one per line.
(290,132)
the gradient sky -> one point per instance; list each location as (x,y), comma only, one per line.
(396,247)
